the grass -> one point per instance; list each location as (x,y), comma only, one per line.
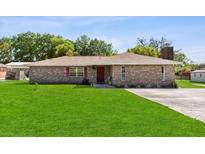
(74,110)
(190,84)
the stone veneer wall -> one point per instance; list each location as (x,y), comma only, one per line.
(146,75)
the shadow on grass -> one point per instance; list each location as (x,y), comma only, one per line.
(203,83)
(82,86)
(15,82)
(63,84)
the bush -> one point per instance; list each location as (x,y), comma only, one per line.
(10,75)
(142,86)
(174,85)
(120,86)
(85,81)
(186,71)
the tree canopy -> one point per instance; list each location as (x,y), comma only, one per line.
(187,64)
(144,50)
(152,48)
(34,46)
(181,57)
(86,46)
(149,48)
(5,50)
(29,46)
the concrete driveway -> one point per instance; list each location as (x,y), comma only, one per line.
(190,102)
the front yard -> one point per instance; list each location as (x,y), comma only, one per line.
(75,110)
(189,84)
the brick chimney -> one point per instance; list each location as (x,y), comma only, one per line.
(167,53)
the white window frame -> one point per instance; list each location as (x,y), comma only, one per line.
(163,73)
(123,74)
(83,71)
(76,68)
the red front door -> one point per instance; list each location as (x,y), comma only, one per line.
(100,74)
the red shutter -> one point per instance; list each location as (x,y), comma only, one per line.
(67,71)
(85,71)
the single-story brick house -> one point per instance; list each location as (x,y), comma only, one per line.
(126,69)
(3,70)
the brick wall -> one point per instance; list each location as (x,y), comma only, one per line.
(149,76)
(92,74)
(167,53)
(135,75)
(57,75)
(3,71)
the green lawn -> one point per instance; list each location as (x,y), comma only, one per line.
(190,84)
(74,110)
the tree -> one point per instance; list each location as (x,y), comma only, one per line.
(187,65)
(149,48)
(93,47)
(44,48)
(181,57)
(63,47)
(154,43)
(5,50)
(34,46)
(201,66)
(24,46)
(82,45)
(144,50)
(100,48)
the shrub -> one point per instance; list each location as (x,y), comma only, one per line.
(186,71)
(174,85)
(120,86)
(132,86)
(10,75)
(85,81)
(142,86)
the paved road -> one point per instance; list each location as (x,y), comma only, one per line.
(190,102)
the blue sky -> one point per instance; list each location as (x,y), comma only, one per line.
(186,33)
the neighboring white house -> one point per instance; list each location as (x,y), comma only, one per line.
(198,76)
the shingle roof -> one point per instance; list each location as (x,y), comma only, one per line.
(120,59)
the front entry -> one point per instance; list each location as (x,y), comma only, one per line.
(100,74)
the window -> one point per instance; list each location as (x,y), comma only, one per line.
(200,75)
(76,71)
(123,73)
(194,74)
(80,71)
(163,73)
(72,71)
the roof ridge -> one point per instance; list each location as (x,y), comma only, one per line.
(119,59)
